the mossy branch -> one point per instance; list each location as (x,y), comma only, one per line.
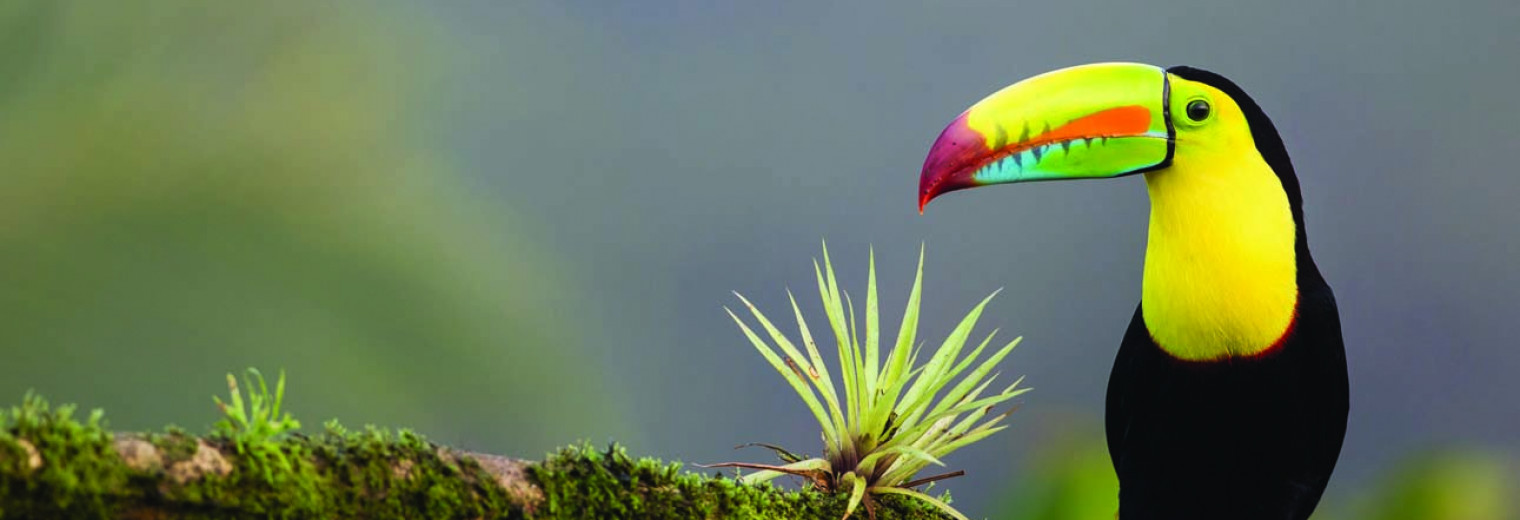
(53,465)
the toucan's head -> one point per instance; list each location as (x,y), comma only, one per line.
(1100,121)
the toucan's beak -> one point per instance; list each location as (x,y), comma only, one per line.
(1088,121)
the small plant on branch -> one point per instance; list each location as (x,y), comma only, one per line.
(882,423)
(253,427)
(259,419)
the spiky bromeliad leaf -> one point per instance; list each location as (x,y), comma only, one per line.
(931,500)
(889,418)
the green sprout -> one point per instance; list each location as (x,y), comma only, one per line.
(259,419)
(889,426)
(254,425)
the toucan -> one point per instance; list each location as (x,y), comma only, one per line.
(1228,397)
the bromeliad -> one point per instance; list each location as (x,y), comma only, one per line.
(881,423)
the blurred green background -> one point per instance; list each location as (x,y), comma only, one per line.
(511,225)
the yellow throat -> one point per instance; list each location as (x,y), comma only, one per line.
(1220,273)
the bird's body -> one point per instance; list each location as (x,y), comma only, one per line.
(1247,438)
(1228,398)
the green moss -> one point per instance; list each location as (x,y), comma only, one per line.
(583,482)
(335,474)
(78,465)
(340,474)
(373,473)
(402,475)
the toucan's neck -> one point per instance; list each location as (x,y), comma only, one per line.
(1220,264)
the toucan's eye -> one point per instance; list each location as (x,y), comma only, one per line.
(1198,110)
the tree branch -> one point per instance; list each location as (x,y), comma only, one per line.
(52,466)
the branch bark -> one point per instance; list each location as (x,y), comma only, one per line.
(52,466)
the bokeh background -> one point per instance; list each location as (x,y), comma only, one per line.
(512,225)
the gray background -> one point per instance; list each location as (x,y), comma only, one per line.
(513,224)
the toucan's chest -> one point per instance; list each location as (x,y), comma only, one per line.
(1220,262)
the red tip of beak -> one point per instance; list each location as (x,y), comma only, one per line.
(951,161)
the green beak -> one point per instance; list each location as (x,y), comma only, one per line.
(1089,121)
